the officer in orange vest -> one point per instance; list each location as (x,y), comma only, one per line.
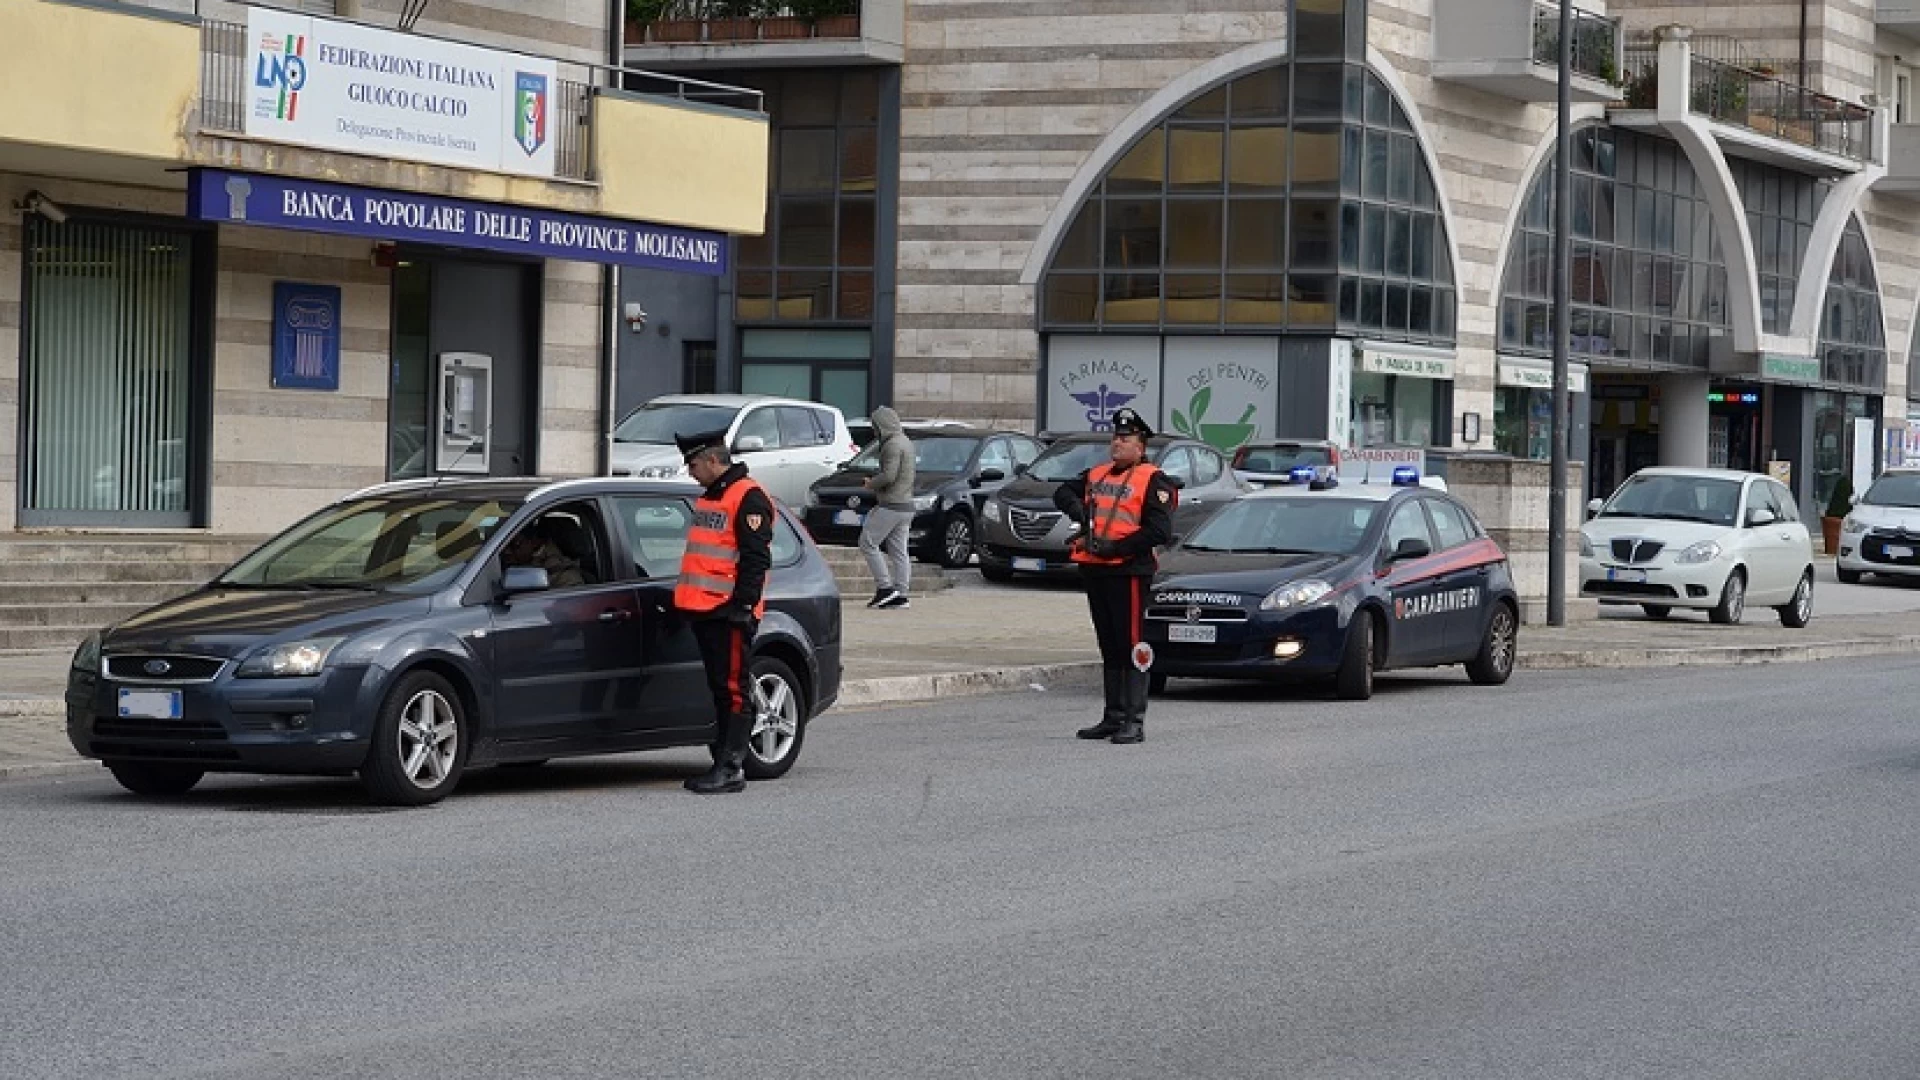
(722,578)
(1125,509)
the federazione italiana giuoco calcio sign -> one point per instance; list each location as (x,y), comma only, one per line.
(338,86)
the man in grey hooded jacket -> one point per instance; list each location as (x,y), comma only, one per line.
(883,536)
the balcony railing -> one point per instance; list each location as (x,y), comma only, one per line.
(1756,100)
(685,22)
(1596,42)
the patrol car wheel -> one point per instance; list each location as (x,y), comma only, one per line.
(1495,662)
(780,720)
(1355,680)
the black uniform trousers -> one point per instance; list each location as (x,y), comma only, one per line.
(1117,603)
(723,652)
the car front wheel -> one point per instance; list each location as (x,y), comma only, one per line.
(1733,600)
(420,743)
(1846,576)
(1798,612)
(779,719)
(1355,680)
(154,780)
(956,541)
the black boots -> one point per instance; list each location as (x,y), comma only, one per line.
(1126,709)
(1115,713)
(1134,686)
(729,772)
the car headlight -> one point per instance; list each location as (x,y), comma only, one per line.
(813,497)
(87,656)
(991,511)
(1704,551)
(925,502)
(1853,525)
(1586,546)
(659,472)
(1296,594)
(295,658)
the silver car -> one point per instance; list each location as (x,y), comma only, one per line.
(1022,533)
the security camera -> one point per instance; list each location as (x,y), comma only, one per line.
(36,203)
(636,316)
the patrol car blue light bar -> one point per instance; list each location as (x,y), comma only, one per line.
(1300,474)
(1405,475)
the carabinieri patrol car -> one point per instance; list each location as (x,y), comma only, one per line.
(1323,580)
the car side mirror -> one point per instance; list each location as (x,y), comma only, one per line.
(524,579)
(747,444)
(1411,548)
(989,476)
(1594,505)
(1854,499)
(1020,470)
(1178,484)
(1758,516)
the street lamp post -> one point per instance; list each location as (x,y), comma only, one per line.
(1562,301)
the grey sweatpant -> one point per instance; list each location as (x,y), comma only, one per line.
(887,529)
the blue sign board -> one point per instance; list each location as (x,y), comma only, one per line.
(306,336)
(280,202)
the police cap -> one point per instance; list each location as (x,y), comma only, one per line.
(693,445)
(1128,422)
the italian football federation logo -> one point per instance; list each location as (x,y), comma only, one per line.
(280,68)
(529,111)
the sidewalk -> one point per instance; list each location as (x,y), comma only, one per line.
(979,638)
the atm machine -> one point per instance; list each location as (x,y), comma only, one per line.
(463,439)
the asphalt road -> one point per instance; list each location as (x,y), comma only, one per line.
(1693,873)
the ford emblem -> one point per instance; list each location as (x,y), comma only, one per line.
(156,667)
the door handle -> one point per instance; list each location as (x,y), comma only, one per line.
(615,615)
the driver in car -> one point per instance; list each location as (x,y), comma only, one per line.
(532,547)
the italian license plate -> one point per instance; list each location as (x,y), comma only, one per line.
(1615,573)
(150,704)
(1899,552)
(1203,635)
(848,517)
(1031,566)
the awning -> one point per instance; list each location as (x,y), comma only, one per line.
(1534,373)
(282,202)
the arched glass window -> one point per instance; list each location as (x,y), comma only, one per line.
(1781,209)
(1648,285)
(1853,348)
(1292,198)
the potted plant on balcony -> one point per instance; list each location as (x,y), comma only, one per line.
(1838,505)
(1642,89)
(783,20)
(831,18)
(734,20)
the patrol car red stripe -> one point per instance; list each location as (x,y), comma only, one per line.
(1481,552)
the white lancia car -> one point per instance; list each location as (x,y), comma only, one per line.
(1711,540)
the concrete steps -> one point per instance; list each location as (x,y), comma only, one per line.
(56,588)
(856,583)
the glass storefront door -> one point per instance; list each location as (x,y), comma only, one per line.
(112,386)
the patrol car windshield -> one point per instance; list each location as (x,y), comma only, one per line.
(1895,489)
(943,454)
(1066,460)
(1290,526)
(1706,500)
(411,544)
(661,421)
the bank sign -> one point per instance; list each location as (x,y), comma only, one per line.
(339,86)
(279,202)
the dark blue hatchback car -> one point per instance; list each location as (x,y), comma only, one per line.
(1324,581)
(413,630)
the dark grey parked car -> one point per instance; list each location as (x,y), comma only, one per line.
(1022,533)
(407,633)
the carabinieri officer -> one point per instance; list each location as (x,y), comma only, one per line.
(1125,508)
(722,580)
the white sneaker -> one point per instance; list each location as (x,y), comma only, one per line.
(895,599)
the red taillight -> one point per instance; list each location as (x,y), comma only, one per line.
(1239,457)
(1333,456)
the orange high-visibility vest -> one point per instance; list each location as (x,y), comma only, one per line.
(1114,507)
(711,565)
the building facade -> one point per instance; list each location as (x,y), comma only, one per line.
(1331,218)
(287,253)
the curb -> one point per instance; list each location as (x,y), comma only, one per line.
(1715,655)
(861,693)
(41,770)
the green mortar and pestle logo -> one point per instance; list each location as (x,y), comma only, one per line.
(1219,436)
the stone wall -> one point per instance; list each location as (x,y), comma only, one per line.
(1510,497)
